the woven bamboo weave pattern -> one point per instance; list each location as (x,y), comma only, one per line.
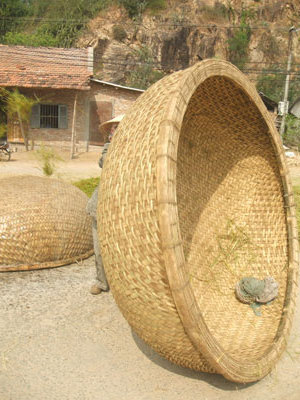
(43,224)
(195,195)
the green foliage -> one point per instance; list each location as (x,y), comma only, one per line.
(16,105)
(119,33)
(48,159)
(238,44)
(87,185)
(143,77)
(20,105)
(291,135)
(144,74)
(156,5)
(135,8)
(3,130)
(272,84)
(10,11)
(64,20)
(31,39)
(54,23)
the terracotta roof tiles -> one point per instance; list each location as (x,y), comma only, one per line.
(50,67)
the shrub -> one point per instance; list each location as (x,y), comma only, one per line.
(48,158)
(272,84)
(291,135)
(135,8)
(58,22)
(239,42)
(144,74)
(31,39)
(119,33)
(156,5)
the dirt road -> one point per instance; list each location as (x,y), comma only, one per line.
(58,342)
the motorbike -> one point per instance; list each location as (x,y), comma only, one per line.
(5,152)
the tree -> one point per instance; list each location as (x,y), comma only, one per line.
(19,105)
(10,12)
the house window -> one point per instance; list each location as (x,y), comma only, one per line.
(53,116)
(48,116)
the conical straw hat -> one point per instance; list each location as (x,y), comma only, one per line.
(105,127)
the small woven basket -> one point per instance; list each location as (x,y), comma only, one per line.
(195,195)
(43,224)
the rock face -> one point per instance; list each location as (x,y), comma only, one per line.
(187,31)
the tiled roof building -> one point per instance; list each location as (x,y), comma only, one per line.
(72,103)
(45,67)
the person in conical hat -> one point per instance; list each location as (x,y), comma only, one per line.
(108,128)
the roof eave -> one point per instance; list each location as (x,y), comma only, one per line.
(117,86)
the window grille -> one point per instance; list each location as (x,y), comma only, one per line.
(48,116)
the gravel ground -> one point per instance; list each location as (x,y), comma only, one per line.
(57,341)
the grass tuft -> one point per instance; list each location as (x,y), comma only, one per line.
(87,185)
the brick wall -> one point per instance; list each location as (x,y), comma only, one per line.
(121,100)
(58,137)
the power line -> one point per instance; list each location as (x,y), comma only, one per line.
(86,73)
(134,23)
(40,52)
(76,62)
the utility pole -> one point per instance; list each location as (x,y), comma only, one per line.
(287,79)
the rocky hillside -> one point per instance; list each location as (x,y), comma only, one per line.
(252,34)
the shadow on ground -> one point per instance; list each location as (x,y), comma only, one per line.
(215,380)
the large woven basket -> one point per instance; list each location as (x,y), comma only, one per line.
(43,224)
(195,195)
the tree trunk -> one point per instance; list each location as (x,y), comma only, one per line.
(22,131)
(73,138)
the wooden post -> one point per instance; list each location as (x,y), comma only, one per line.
(73,138)
(87,123)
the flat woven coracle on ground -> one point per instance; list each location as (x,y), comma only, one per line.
(195,195)
(43,224)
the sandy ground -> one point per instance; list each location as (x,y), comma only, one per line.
(57,341)
(85,165)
